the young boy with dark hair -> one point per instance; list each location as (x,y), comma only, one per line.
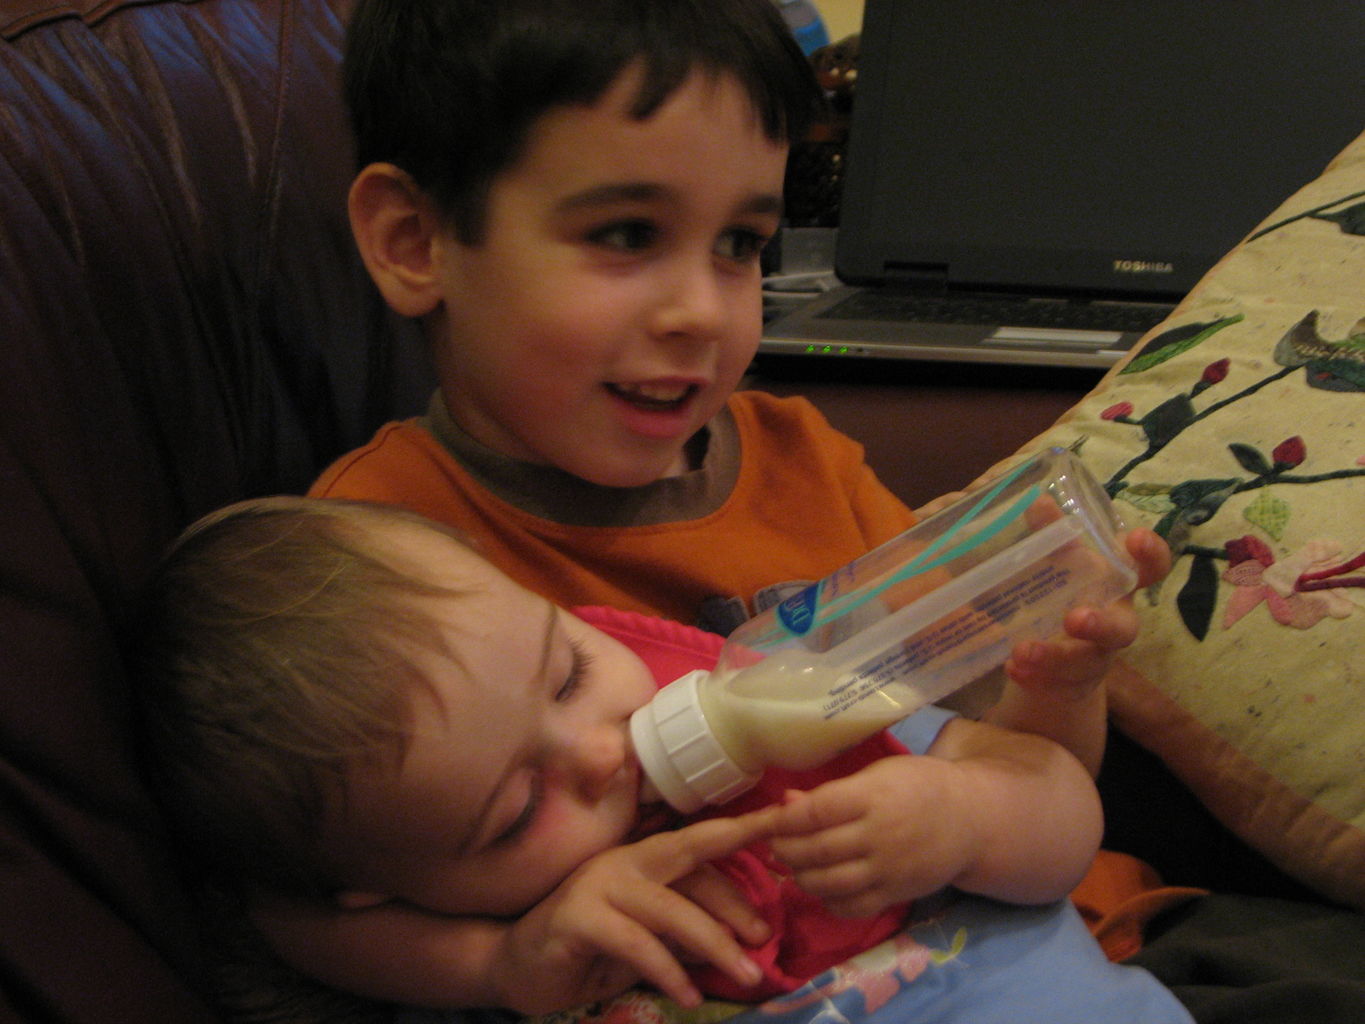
(572,197)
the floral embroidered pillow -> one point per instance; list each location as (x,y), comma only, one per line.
(1237,431)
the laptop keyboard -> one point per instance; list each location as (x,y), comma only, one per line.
(902,307)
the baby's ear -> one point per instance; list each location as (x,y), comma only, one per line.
(395,226)
(348,899)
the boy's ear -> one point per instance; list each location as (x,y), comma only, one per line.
(395,227)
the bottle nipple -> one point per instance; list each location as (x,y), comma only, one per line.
(649,793)
(680,757)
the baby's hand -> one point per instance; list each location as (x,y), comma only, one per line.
(878,837)
(987,810)
(617,919)
(1069,667)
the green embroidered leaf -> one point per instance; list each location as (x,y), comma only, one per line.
(1195,492)
(1268,512)
(1198,596)
(1164,527)
(1200,500)
(1251,459)
(1169,344)
(1167,420)
(1152,498)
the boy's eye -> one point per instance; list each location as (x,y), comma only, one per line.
(626,236)
(741,245)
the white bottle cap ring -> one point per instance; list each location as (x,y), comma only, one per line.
(679,753)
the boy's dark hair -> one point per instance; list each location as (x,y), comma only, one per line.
(448,89)
(273,656)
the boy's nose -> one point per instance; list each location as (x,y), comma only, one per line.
(693,305)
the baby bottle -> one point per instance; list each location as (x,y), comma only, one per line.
(903,626)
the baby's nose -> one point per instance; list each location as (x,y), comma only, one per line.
(593,757)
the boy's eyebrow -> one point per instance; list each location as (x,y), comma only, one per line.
(606,195)
(764,203)
(643,191)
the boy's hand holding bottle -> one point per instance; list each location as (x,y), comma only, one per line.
(1054,687)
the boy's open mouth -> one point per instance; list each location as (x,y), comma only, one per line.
(660,397)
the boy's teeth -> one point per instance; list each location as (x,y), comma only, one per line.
(653,392)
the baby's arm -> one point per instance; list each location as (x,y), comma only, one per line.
(1055,688)
(613,922)
(1003,814)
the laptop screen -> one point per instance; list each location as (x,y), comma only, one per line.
(1088,148)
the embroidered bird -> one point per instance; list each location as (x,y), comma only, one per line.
(1328,365)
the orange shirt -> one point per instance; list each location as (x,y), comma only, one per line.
(802,504)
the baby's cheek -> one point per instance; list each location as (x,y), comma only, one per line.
(566,834)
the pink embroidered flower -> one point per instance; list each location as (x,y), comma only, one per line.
(630,1008)
(1289,453)
(1119,411)
(1215,372)
(1333,576)
(1274,583)
(1248,547)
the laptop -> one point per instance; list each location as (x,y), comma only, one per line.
(1039,181)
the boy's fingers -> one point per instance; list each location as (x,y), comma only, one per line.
(1042,512)
(1152,555)
(1109,628)
(1060,662)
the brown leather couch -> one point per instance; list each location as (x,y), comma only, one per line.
(183,322)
